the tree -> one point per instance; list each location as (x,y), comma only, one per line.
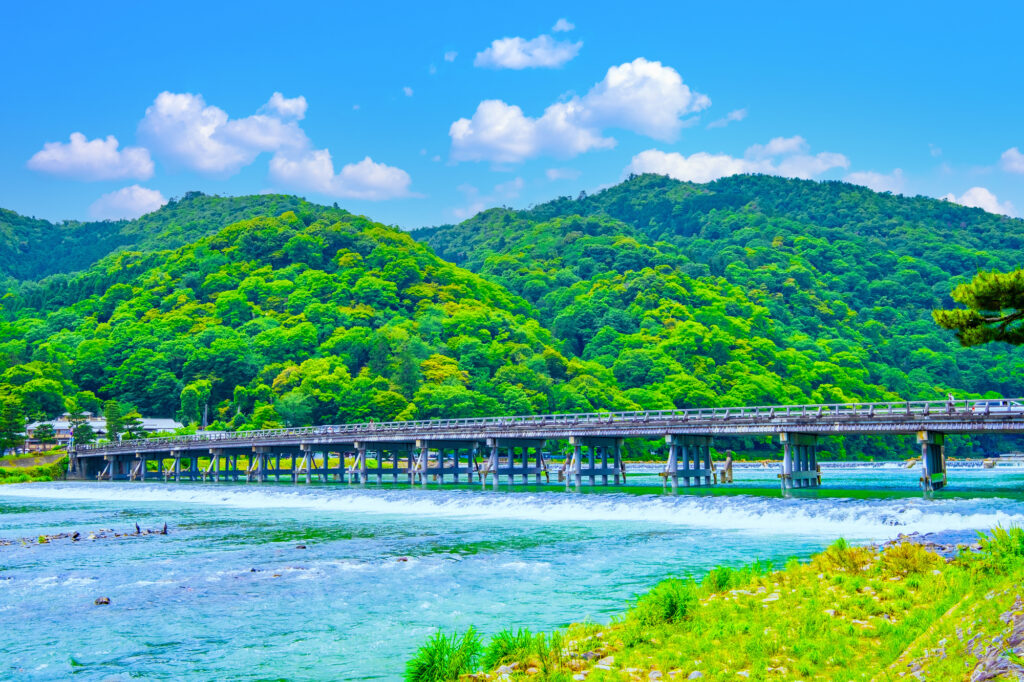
(82,432)
(114,418)
(12,424)
(44,433)
(994,312)
(132,423)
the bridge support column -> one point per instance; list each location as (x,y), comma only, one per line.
(516,461)
(933,459)
(596,447)
(454,457)
(695,453)
(382,452)
(800,461)
(177,466)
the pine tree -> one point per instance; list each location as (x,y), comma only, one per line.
(12,424)
(115,422)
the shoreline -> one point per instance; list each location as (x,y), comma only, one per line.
(900,607)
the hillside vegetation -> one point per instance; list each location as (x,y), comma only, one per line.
(654,294)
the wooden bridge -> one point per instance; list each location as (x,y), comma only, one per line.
(454,450)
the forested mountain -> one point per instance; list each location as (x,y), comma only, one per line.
(751,289)
(269,310)
(31,248)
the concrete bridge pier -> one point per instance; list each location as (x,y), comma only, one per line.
(694,452)
(799,461)
(933,459)
(382,452)
(454,458)
(516,462)
(590,459)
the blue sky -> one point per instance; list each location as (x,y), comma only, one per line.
(419,115)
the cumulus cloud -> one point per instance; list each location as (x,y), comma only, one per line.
(562,173)
(314,171)
(407,90)
(510,189)
(100,159)
(201,137)
(980,197)
(880,182)
(1012,161)
(450,55)
(731,117)
(519,53)
(563,25)
(786,156)
(127,202)
(642,96)
(294,108)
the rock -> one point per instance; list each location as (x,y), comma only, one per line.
(743,673)
(774,596)
(300,547)
(532,671)
(590,655)
(607,660)
(402,558)
(830,612)
(102,601)
(505,669)
(580,676)
(654,675)
(695,675)
(598,666)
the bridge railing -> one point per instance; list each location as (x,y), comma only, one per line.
(972,408)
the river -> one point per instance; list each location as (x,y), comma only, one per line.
(330,582)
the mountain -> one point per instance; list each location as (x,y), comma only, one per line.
(288,319)
(653,294)
(756,288)
(32,249)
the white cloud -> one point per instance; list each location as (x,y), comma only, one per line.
(934,150)
(1012,161)
(314,171)
(777,146)
(284,107)
(642,96)
(519,53)
(780,156)
(407,90)
(501,133)
(185,129)
(980,197)
(731,117)
(562,173)
(450,55)
(127,202)
(510,189)
(880,182)
(563,25)
(698,167)
(99,159)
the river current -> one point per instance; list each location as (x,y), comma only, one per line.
(331,582)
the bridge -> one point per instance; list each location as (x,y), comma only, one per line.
(446,450)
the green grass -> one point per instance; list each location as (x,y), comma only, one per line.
(44,472)
(444,657)
(850,613)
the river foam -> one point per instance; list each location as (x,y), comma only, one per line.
(853,518)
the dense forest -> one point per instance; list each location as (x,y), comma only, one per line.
(260,311)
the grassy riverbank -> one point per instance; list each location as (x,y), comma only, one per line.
(849,613)
(27,474)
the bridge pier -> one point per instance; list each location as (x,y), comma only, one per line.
(590,448)
(933,459)
(695,452)
(516,461)
(799,461)
(445,466)
(383,451)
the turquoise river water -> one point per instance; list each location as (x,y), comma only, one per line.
(229,594)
